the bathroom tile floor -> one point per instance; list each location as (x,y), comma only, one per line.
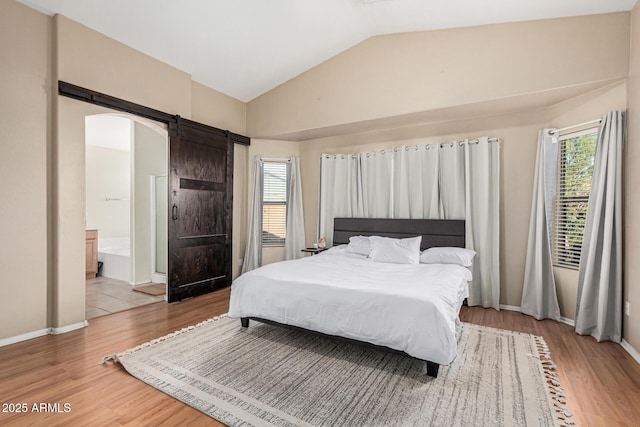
(106,295)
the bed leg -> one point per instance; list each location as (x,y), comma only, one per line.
(244,321)
(432,369)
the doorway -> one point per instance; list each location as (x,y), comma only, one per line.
(68,237)
(125,155)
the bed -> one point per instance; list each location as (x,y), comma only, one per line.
(404,308)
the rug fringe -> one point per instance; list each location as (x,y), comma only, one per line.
(555,391)
(108,357)
(116,356)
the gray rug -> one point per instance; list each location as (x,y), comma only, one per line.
(267,375)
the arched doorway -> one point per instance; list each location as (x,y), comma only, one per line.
(126,161)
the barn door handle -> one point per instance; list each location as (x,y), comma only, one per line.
(174,212)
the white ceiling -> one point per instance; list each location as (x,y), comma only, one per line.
(244,48)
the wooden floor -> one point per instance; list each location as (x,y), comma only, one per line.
(601,380)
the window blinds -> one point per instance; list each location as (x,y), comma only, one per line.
(274,203)
(575,170)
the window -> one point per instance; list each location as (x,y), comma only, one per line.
(575,169)
(274,203)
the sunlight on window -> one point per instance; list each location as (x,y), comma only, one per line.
(274,203)
(575,170)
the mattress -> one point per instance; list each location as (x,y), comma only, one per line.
(410,308)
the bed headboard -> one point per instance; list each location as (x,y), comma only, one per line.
(434,232)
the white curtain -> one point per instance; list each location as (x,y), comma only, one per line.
(294,241)
(482,214)
(253,253)
(340,191)
(416,198)
(376,171)
(599,304)
(459,180)
(539,298)
(452,181)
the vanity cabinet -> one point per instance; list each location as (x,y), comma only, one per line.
(91,253)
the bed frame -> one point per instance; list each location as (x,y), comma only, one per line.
(434,232)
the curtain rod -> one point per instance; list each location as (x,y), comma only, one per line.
(492,139)
(554,131)
(275,159)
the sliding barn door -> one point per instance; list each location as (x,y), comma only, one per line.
(200,209)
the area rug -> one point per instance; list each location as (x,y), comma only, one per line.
(273,376)
(155,289)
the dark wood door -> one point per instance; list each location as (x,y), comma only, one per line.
(200,209)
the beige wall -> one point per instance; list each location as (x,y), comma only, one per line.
(24,153)
(240,194)
(68,211)
(391,77)
(217,109)
(631,324)
(108,175)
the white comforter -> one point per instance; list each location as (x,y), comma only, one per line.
(412,308)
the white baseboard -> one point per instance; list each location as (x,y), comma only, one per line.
(568,321)
(42,332)
(563,319)
(68,328)
(158,278)
(24,337)
(632,351)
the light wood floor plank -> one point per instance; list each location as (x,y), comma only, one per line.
(601,380)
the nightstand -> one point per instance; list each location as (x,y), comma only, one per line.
(314,251)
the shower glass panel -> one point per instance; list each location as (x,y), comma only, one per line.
(161,224)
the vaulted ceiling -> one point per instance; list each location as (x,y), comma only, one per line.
(244,48)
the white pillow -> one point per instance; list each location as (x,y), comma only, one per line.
(445,255)
(397,251)
(359,245)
